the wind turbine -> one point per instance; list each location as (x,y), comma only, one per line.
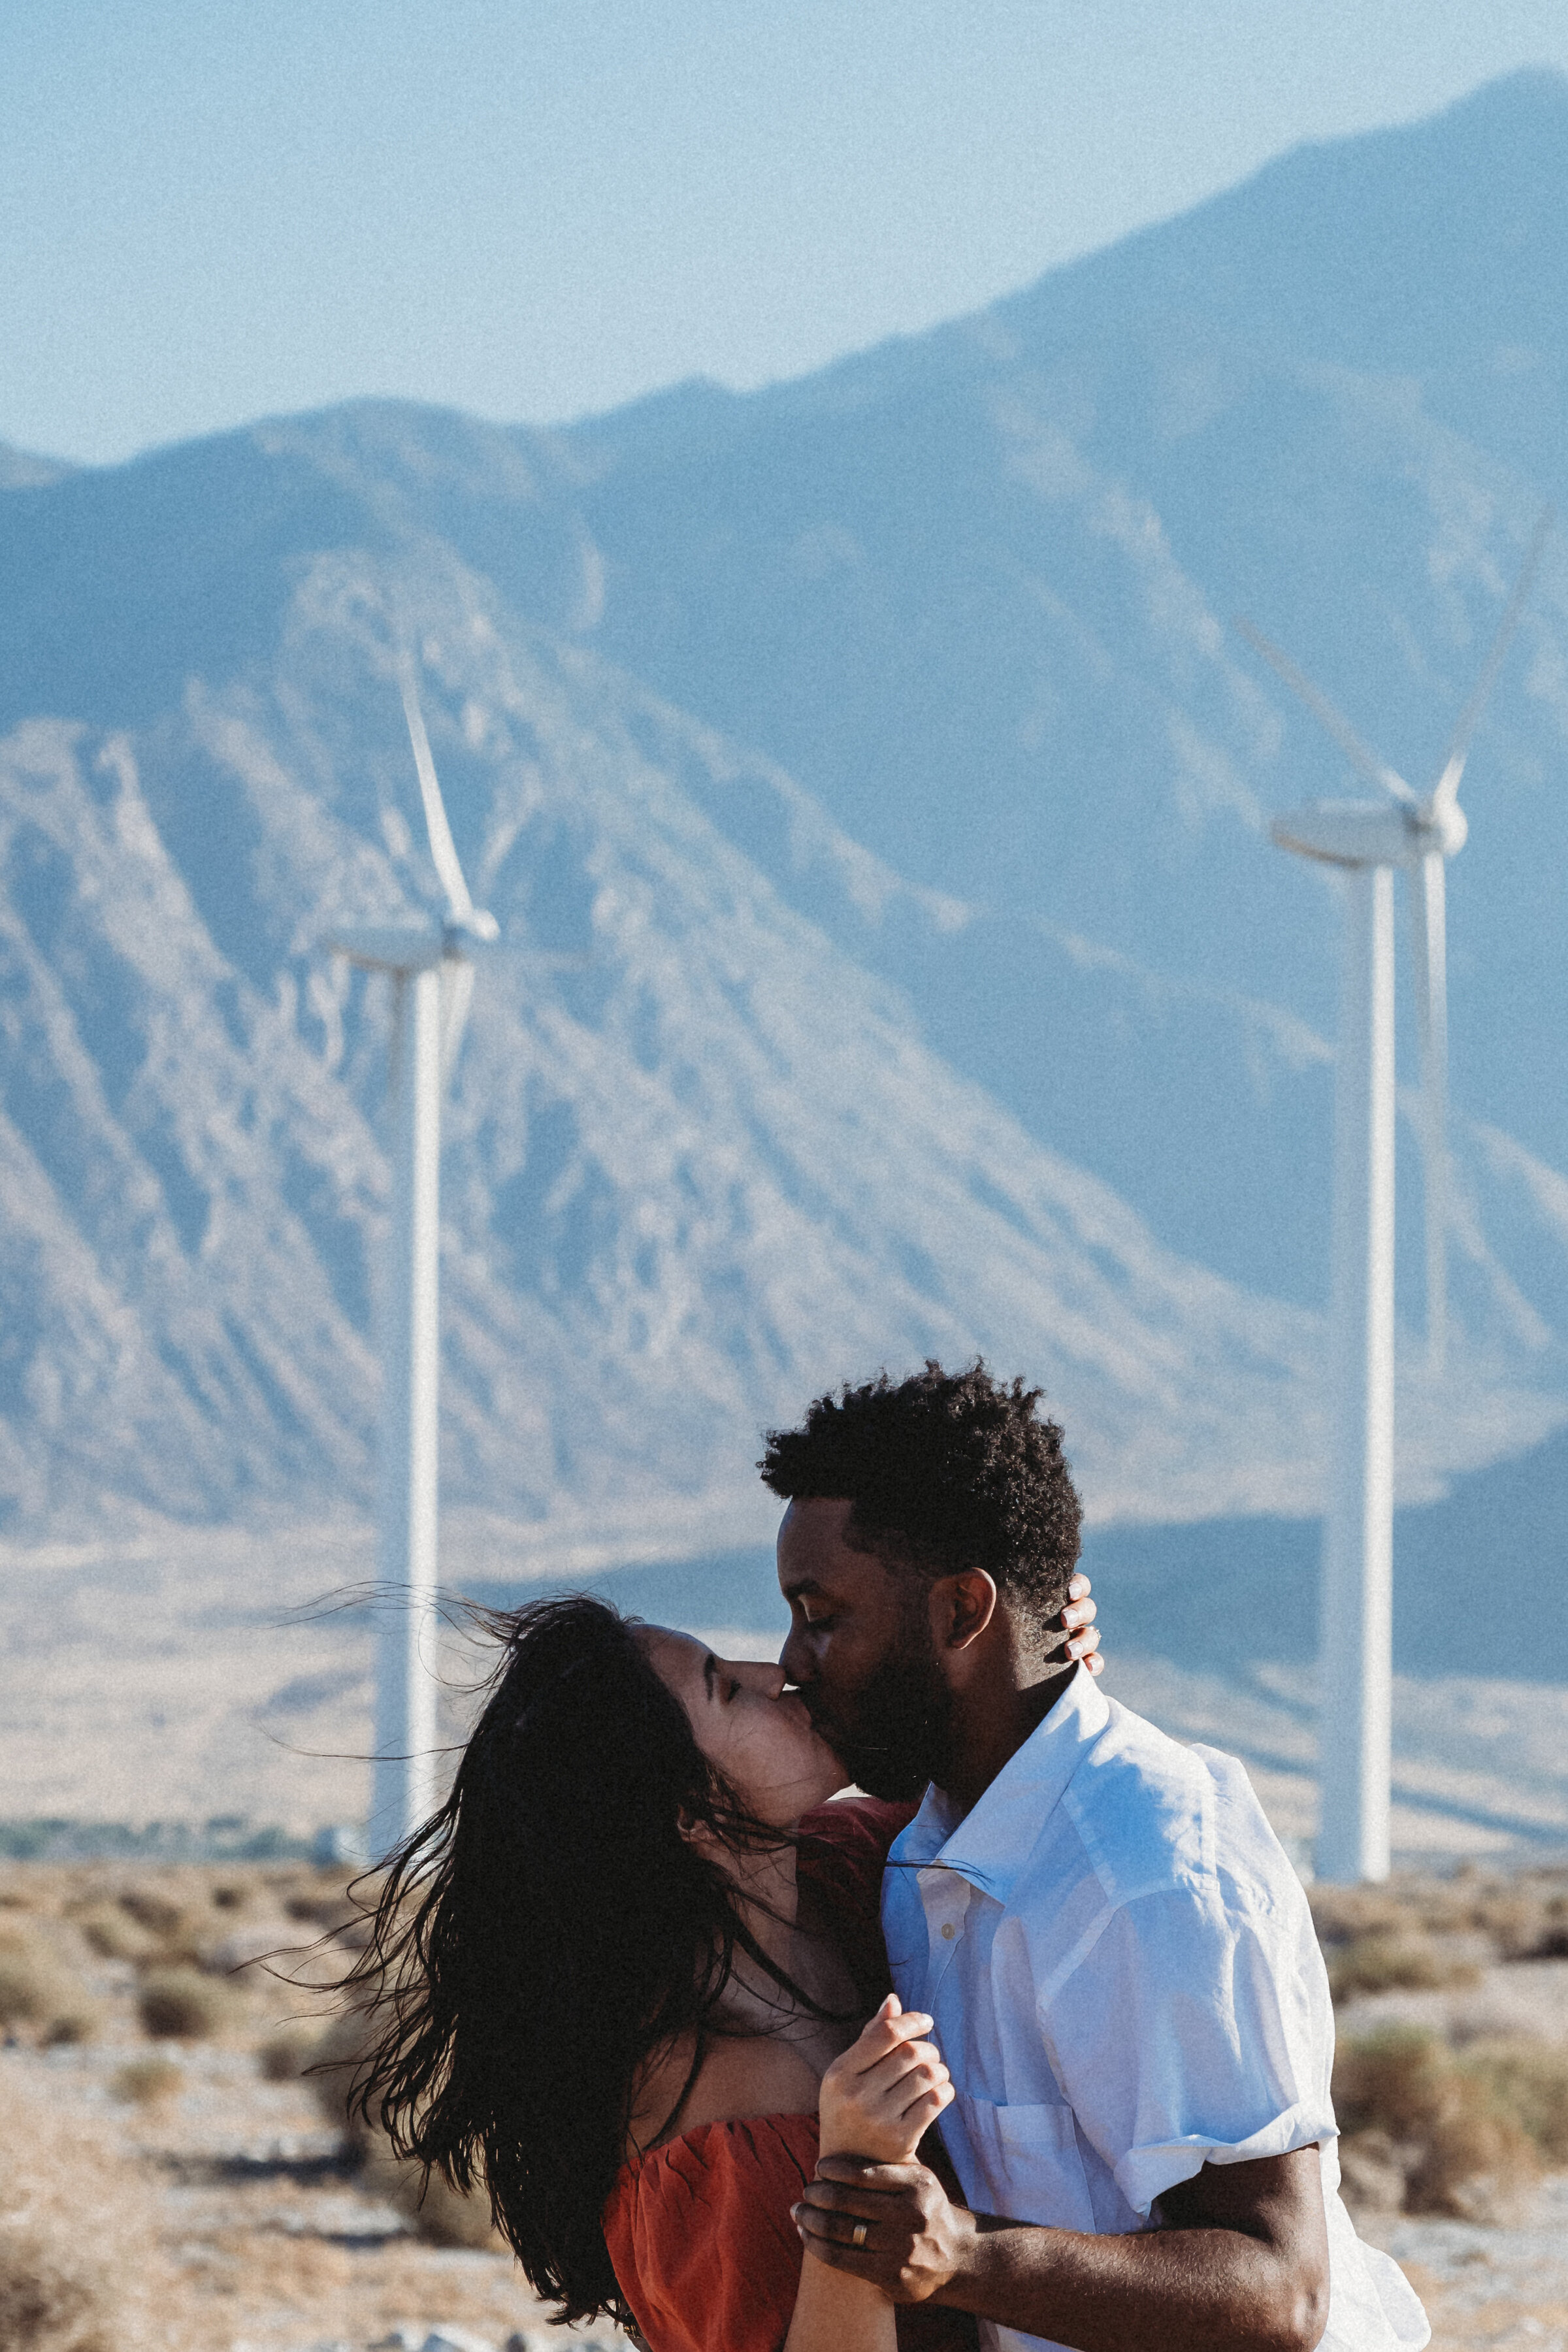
(1367,840)
(432,982)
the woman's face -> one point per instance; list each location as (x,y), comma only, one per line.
(758,1738)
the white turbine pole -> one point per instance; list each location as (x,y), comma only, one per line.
(1366,840)
(432,978)
(1429,943)
(1358,1532)
(403,1787)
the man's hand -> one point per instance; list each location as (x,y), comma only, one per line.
(914,2234)
(1238,2264)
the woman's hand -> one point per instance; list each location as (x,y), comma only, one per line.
(1077,1623)
(885,2091)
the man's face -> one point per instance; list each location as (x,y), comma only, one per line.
(860,1653)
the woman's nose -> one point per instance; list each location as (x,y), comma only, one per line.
(757,1675)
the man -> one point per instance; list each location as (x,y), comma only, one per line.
(1117,1953)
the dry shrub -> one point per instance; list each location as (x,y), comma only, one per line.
(78,2266)
(182,2005)
(73,2021)
(1527,2080)
(1524,1917)
(1553,1944)
(289,2053)
(114,1934)
(164,1915)
(150,1926)
(436,2210)
(24,1989)
(1371,2173)
(1527,1924)
(38,1991)
(1341,1914)
(1406,2103)
(330,1907)
(336,1911)
(52,2293)
(144,2082)
(1384,1963)
(1515,1922)
(179,1924)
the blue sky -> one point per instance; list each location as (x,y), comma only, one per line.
(212,212)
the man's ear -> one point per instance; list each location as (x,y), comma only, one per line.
(962,1607)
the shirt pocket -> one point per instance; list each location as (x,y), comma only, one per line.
(1028,2159)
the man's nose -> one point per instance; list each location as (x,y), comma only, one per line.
(795,1659)
(757,1675)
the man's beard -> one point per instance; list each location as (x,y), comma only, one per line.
(897,1735)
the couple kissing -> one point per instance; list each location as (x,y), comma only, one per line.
(1025,2042)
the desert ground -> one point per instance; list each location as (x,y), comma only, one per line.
(177,2182)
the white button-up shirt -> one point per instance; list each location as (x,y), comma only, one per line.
(1126,1986)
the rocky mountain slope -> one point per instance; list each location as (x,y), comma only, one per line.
(874,803)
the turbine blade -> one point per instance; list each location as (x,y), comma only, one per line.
(1365,763)
(1428,925)
(443,849)
(456,996)
(1446,791)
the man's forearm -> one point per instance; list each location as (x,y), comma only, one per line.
(1239,2262)
(1183,2290)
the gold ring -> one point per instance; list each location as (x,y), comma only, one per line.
(858,2234)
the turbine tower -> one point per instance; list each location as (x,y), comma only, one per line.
(432,983)
(1366,840)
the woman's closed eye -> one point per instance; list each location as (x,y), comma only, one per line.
(722,1687)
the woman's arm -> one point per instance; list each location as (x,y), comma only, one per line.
(882,2095)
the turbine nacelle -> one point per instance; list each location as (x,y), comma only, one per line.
(414,946)
(476,929)
(406,947)
(391,947)
(1371,833)
(1439,829)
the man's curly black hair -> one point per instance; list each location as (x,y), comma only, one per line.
(946,1471)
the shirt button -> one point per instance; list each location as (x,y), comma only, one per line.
(948,1931)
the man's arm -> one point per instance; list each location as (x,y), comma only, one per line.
(1239,2262)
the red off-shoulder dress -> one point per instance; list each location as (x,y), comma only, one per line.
(700,2229)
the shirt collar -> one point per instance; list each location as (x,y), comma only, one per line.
(990,1843)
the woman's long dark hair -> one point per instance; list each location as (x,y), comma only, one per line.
(546,1933)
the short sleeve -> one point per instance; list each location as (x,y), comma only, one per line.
(1194,2032)
(702,2239)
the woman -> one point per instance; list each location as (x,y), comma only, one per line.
(622,1981)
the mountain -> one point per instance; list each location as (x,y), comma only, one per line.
(874,801)
(24,469)
(698,1163)
(974,591)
